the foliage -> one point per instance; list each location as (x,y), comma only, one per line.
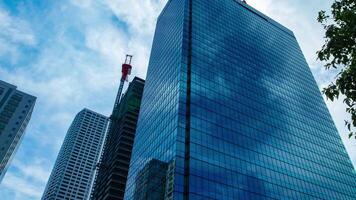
(339,51)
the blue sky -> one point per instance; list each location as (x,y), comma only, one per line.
(68,54)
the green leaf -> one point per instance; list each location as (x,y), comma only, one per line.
(339,52)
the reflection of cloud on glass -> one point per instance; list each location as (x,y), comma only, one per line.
(236,111)
(255,103)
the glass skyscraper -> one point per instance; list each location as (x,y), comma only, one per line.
(74,170)
(232,107)
(15,113)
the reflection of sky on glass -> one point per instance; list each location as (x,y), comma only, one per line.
(67,53)
(270,83)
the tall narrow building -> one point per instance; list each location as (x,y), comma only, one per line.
(73,172)
(114,164)
(232,107)
(15,113)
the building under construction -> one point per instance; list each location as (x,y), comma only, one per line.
(115,160)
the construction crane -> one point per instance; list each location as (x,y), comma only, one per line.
(125,72)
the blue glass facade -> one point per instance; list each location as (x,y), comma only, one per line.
(230,100)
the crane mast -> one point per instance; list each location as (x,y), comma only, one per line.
(125,72)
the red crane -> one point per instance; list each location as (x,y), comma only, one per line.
(125,72)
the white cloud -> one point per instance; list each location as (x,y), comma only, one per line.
(139,15)
(67,78)
(82,3)
(22,187)
(109,41)
(262,6)
(33,171)
(8,49)
(16,30)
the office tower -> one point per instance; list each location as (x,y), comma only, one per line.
(15,113)
(73,172)
(151,181)
(230,100)
(114,163)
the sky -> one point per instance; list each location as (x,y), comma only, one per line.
(68,54)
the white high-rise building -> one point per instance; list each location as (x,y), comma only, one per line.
(15,113)
(72,175)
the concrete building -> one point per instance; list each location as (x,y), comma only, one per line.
(15,113)
(74,170)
